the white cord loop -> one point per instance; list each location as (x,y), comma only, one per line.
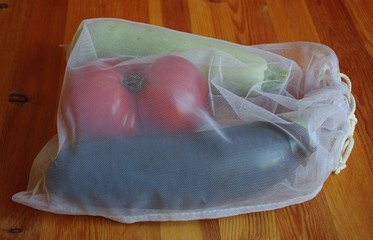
(349,140)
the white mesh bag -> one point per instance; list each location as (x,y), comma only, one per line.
(156,125)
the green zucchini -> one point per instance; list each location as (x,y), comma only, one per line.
(113,37)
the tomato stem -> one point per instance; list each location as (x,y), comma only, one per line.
(134,81)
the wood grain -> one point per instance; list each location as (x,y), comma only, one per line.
(360,12)
(32,64)
(293,21)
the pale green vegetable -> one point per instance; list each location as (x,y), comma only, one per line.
(238,80)
(274,76)
(112,37)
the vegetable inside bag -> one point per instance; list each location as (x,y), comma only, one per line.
(201,129)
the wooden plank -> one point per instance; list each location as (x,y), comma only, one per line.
(261,225)
(244,22)
(237,25)
(224,29)
(181,230)
(309,220)
(261,26)
(12,25)
(33,70)
(351,207)
(155,12)
(292,21)
(361,14)
(201,18)
(176,15)
(210,229)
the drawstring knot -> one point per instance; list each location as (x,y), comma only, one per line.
(349,139)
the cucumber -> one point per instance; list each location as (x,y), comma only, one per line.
(176,172)
(113,37)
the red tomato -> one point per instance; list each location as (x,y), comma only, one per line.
(94,103)
(173,96)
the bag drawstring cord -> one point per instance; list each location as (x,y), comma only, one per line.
(349,140)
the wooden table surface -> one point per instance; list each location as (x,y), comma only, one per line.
(32,66)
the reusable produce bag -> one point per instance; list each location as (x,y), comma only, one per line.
(158,125)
